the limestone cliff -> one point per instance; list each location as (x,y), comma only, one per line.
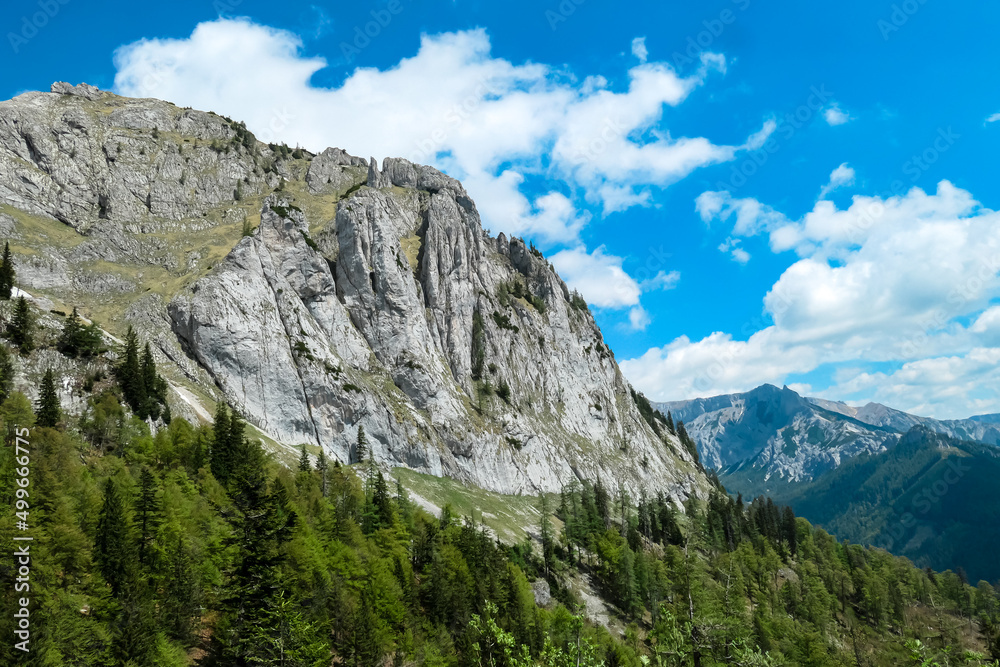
(365,296)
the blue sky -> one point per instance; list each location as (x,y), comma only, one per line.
(730,183)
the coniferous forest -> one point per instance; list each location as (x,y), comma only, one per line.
(191,545)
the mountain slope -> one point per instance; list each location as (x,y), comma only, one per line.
(321,294)
(931,498)
(775,432)
(769,434)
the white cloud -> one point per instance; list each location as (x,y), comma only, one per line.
(839,177)
(732,246)
(452,105)
(834,115)
(639,49)
(599,277)
(638,318)
(884,280)
(994,118)
(661,281)
(487,121)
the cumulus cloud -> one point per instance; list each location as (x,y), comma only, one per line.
(598,276)
(834,115)
(492,123)
(994,118)
(839,177)
(909,280)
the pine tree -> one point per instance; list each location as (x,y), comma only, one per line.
(150,384)
(6,373)
(147,514)
(47,413)
(323,466)
(361,451)
(181,604)
(545,530)
(670,424)
(304,465)
(260,524)
(7,273)
(21,328)
(130,376)
(70,338)
(113,546)
(789,529)
(221,458)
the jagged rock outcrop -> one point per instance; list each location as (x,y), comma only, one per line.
(414,332)
(775,432)
(368,295)
(83,155)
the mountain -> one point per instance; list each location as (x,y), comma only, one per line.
(918,487)
(775,434)
(321,294)
(931,498)
(775,431)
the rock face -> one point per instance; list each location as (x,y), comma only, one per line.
(459,354)
(776,432)
(80,155)
(368,295)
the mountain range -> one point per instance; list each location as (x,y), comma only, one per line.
(769,432)
(919,487)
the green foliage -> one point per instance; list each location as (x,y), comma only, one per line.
(149,558)
(7,273)
(503,321)
(577,301)
(48,413)
(20,330)
(361,446)
(6,372)
(79,340)
(145,392)
(309,241)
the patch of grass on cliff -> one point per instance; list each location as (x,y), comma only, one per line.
(510,517)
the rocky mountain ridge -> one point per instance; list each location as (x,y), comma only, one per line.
(319,294)
(769,432)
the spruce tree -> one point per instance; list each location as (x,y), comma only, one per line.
(323,466)
(71,336)
(130,376)
(7,273)
(151,384)
(670,424)
(147,514)
(113,546)
(304,465)
(21,328)
(261,523)
(6,373)
(221,459)
(361,451)
(47,413)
